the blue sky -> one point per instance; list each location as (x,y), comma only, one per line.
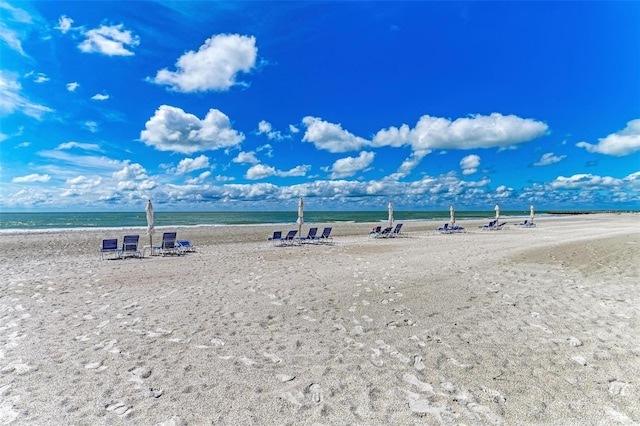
(250,105)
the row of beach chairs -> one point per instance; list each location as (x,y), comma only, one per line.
(491,226)
(312,237)
(388,232)
(131,247)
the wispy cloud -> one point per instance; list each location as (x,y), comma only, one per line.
(35,177)
(13,16)
(11,99)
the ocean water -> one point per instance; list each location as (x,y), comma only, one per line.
(69,220)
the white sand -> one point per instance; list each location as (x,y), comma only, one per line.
(515,327)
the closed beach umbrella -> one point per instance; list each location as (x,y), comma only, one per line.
(452,218)
(497,209)
(150,225)
(300,220)
(531,213)
(390,214)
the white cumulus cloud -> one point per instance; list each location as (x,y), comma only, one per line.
(130,172)
(261,171)
(549,158)
(109,40)
(470,164)
(349,166)
(331,137)
(215,66)
(172,129)
(190,164)
(100,97)
(476,131)
(71,87)
(265,128)
(583,181)
(624,142)
(246,157)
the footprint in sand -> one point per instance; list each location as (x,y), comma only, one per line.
(217,342)
(574,341)
(493,395)
(375,357)
(422,386)
(580,360)
(543,328)
(617,387)
(418,341)
(119,408)
(138,374)
(293,397)
(247,361)
(95,366)
(285,377)
(400,357)
(316,392)
(272,357)
(417,363)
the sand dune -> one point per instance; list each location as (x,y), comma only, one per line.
(518,326)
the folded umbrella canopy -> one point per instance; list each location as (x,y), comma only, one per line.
(531,213)
(150,224)
(300,220)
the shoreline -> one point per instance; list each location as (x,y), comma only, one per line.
(421,224)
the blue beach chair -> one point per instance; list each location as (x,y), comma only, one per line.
(130,246)
(109,246)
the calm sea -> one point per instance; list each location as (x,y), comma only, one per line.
(34,221)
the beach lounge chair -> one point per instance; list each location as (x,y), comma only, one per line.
(325,236)
(526,224)
(375,231)
(109,246)
(310,236)
(185,246)
(396,231)
(289,238)
(169,244)
(277,236)
(490,225)
(445,229)
(130,246)
(456,228)
(384,233)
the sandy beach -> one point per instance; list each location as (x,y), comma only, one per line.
(535,326)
